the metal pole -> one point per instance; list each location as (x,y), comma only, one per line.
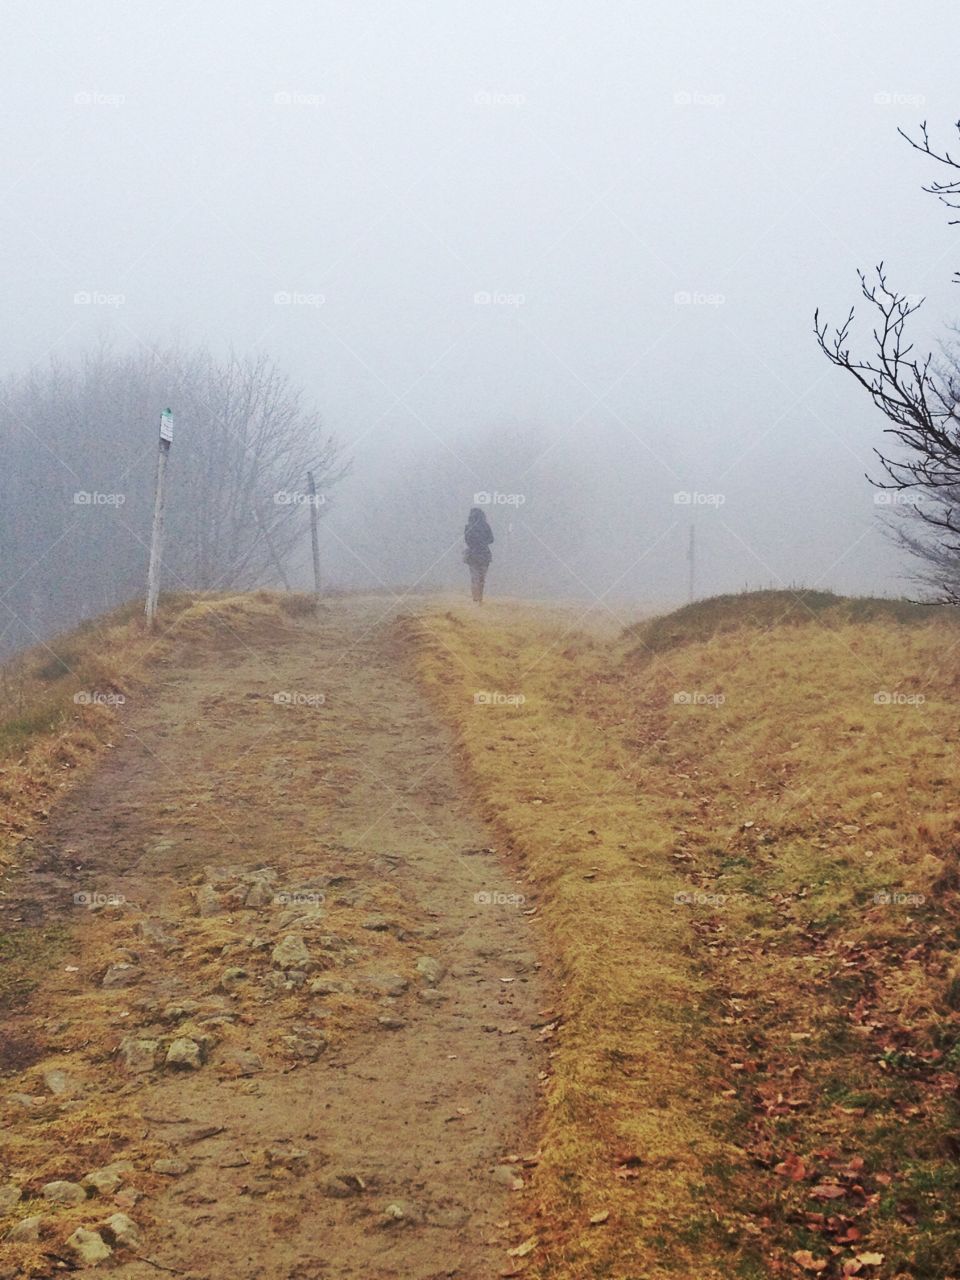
(156,536)
(314,533)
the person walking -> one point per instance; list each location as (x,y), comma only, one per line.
(478,536)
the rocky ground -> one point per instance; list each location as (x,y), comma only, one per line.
(291,1025)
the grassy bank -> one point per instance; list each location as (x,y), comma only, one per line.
(741,822)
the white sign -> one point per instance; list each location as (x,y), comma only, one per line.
(166,426)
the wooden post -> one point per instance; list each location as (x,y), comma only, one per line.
(314,534)
(156,536)
(692,557)
(271,547)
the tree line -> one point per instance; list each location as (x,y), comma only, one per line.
(78,448)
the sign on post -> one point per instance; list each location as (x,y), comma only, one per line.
(156,536)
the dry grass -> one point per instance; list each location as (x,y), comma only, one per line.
(782,1028)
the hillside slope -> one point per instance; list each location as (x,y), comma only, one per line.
(743,823)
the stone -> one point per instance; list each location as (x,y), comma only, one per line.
(395,1212)
(27,1229)
(171,1167)
(296,978)
(139,1055)
(184,1054)
(122,974)
(103,1182)
(377,924)
(429,969)
(260,894)
(505,1175)
(153,931)
(232,977)
(291,1158)
(291,953)
(430,995)
(308,1047)
(340,1185)
(63,1192)
(60,1084)
(180,1009)
(390,1023)
(119,1229)
(330,987)
(241,1062)
(387,984)
(89,1247)
(9,1197)
(207,901)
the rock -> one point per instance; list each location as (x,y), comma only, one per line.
(122,974)
(172,1167)
(26,1100)
(61,1085)
(387,984)
(507,1176)
(390,1022)
(153,931)
(207,901)
(184,1054)
(139,1055)
(291,1158)
(430,995)
(340,1185)
(276,982)
(305,1046)
(260,894)
(27,1229)
(119,1229)
(63,1193)
(180,1009)
(9,1197)
(103,1182)
(241,1062)
(429,969)
(395,1212)
(88,1247)
(232,977)
(377,924)
(296,978)
(291,953)
(330,987)
(524,961)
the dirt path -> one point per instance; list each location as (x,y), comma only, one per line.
(363,1089)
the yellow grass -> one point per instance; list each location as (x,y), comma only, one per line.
(781,1012)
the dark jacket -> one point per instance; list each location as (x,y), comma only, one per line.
(478,535)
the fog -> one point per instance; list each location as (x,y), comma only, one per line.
(563,254)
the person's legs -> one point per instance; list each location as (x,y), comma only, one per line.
(476,582)
(481,579)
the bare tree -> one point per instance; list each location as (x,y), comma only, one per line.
(920,400)
(77,458)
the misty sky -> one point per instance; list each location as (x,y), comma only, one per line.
(605,223)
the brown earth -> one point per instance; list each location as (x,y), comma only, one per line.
(356,1116)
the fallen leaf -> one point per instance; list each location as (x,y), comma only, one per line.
(598,1219)
(870,1259)
(522,1250)
(827,1191)
(804,1258)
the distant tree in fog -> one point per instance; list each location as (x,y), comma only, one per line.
(78,450)
(921,400)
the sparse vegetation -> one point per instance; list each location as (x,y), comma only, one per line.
(780,1043)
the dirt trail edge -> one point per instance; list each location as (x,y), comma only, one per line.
(297,967)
